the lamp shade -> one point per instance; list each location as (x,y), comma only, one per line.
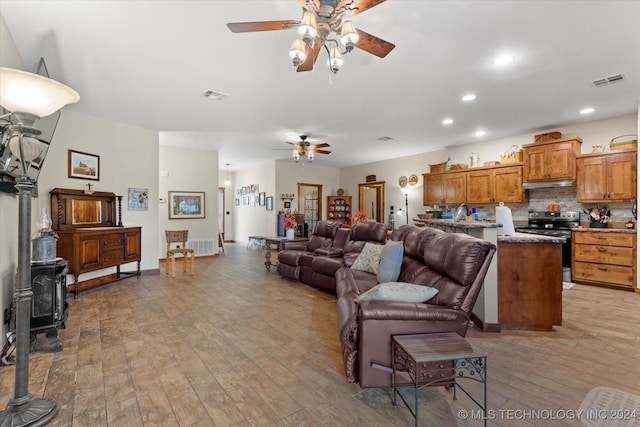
(22,92)
(348,33)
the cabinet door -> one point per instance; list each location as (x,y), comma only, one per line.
(88,253)
(592,179)
(534,163)
(560,161)
(455,187)
(132,249)
(433,190)
(622,173)
(508,185)
(480,186)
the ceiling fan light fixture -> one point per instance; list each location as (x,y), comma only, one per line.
(335,59)
(308,27)
(348,35)
(296,154)
(310,155)
(298,52)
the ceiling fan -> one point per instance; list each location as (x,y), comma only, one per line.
(304,148)
(324,24)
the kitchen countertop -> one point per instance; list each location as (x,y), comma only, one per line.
(530,238)
(458,224)
(605,230)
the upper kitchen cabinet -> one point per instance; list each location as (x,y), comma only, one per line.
(607,176)
(446,188)
(552,160)
(495,184)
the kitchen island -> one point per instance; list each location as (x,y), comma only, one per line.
(523,287)
(530,281)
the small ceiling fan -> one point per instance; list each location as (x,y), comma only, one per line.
(324,24)
(304,148)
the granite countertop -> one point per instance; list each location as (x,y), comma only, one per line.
(605,230)
(458,224)
(530,238)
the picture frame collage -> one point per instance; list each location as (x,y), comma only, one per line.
(251,196)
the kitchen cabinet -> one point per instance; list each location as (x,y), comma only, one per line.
(495,184)
(604,257)
(339,209)
(445,188)
(551,160)
(607,176)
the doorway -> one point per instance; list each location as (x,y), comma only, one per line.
(310,205)
(371,200)
(221,211)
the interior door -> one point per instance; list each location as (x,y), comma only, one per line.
(310,204)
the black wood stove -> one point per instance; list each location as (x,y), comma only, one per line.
(49,309)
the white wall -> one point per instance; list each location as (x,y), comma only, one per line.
(187,170)
(254,220)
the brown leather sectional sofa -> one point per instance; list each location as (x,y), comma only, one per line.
(455,264)
(329,249)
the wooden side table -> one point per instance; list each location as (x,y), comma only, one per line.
(267,243)
(432,359)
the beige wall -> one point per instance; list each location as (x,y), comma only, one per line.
(187,170)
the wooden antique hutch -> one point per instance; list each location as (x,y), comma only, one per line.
(92,236)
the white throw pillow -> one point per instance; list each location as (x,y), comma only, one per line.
(369,259)
(398,291)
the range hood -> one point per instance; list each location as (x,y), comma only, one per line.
(548,184)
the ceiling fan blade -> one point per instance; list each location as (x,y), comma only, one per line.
(321,145)
(247,27)
(374,45)
(359,6)
(309,4)
(322,152)
(312,56)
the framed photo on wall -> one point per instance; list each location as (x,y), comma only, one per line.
(287,205)
(84,165)
(138,199)
(269,203)
(261,197)
(186,204)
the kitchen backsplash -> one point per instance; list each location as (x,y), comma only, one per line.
(540,198)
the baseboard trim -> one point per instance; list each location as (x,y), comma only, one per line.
(486,327)
(163,260)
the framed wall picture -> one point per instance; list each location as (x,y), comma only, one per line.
(84,165)
(237,201)
(186,204)
(252,200)
(287,205)
(138,199)
(261,197)
(269,202)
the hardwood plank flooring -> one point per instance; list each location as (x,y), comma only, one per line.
(235,345)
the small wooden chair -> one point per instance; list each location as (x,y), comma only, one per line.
(180,237)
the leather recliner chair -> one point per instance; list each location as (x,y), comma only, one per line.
(321,242)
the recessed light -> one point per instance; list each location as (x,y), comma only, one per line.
(503,60)
(480,133)
(587,110)
(447,121)
(469,97)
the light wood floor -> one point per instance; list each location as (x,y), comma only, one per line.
(235,345)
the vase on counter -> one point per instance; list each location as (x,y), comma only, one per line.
(290,233)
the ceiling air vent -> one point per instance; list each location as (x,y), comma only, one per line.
(385,138)
(215,95)
(605,81)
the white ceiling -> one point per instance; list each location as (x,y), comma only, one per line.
(148,63)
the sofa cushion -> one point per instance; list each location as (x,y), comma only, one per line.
(398,291)
(390,262)
(369,258)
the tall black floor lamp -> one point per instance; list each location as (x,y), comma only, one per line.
(27,97)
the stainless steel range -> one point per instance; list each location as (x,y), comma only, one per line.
(556,224)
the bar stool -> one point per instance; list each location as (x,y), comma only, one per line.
(180,237)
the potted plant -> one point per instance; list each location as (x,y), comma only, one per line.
(360,217)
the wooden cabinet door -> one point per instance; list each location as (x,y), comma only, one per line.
(560,161)
(592,179)
(480,186)
(132,248)
(455,187)
(433,190)
(534,163)
(508,185)
(622,173)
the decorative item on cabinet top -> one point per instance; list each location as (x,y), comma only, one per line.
(624,142)
(547,136)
